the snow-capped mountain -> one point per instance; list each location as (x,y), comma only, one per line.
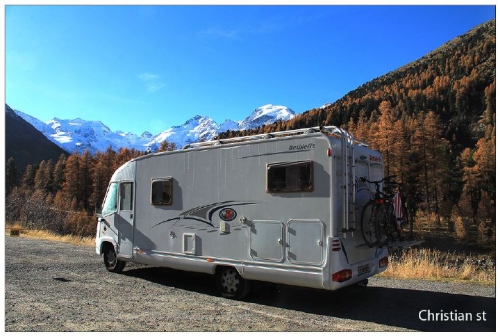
(265,115)
(79,135)
(325,105)
(193,130)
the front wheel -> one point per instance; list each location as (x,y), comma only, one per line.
(231,285)
(111,261)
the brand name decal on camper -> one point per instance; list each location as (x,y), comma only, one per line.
(375,158)
(227,214)
(302,147)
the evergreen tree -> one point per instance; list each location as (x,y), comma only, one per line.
(170,146)
(101,174)
(58,176)
(28,179)
(72,182)
(10,175)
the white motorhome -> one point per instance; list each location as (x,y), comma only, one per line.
(282,207)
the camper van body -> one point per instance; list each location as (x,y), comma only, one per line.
(282,207)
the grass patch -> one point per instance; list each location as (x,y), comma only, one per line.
(432,264)
(44,234)
(85,241)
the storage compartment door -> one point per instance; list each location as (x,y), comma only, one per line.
(266,240)
(306,240)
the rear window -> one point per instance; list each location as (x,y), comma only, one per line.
(161,191)
(290,177)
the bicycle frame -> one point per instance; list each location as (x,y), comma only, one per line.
(382,224)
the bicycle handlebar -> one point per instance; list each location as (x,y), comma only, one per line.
(385,179)
(390,182)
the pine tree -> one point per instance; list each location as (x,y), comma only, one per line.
(86,166)
(72,181)
(10,176)
(436,147)
(385,135)
(101,174)
(58,178)
(28,179)
(170,146)
(44,176)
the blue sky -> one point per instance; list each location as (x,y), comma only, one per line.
(138,68)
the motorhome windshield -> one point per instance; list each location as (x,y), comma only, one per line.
(109,205)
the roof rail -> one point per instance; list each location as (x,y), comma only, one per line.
(337,131)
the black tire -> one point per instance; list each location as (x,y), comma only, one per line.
(231,285)
(362,284)
(368,225)
(111,261)
(383,223)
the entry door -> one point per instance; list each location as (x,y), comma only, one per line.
(125,219)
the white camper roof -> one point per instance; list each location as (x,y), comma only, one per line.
(125,173)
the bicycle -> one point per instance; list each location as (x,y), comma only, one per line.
(385,217)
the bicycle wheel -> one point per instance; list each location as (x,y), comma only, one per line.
(369,224)
(383,224)
(405,225)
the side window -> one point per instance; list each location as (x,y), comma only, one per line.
(126,196)
(109,204)
(290,177)
(161,191)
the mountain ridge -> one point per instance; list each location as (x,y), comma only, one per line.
(25,143)
(79,134)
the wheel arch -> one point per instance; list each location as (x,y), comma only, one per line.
(107,242)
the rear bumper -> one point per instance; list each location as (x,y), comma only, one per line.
(353,273)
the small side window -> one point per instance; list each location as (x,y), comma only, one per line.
(290,177)
(126,196)
(161,191)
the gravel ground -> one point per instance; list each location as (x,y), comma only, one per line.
(52,286)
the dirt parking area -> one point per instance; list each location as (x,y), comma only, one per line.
(52,286)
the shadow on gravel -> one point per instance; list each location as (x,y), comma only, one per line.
(390,306)
(190,281)
(411,309)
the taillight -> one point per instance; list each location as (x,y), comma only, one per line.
(342,276)
(379,201)
(382,263)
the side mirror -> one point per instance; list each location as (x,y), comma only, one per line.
(98,213)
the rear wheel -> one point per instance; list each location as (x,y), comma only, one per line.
(231,285)
(405,225)
(368,224)
(111,261)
